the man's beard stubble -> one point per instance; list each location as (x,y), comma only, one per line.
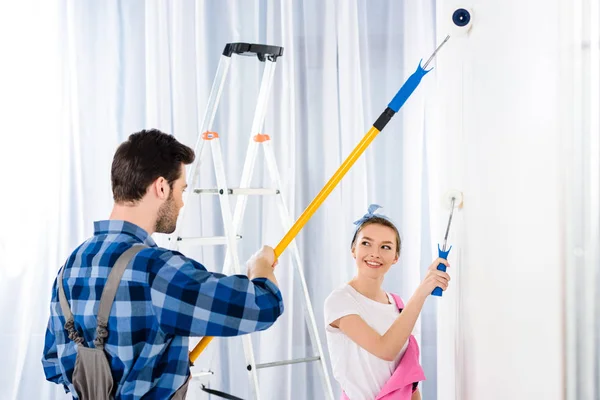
(166,221)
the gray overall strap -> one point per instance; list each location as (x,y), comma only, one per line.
(109,292)
(64,305)
(106,300)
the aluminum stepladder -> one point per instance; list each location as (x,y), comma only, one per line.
(232,223)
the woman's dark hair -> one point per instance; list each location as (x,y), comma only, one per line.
(143,158)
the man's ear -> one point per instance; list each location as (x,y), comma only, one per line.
(161,188)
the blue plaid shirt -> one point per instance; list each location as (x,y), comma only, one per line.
(163,299)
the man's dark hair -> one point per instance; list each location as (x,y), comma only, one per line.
(143,158)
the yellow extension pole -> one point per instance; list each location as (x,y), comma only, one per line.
(327,189)
(403,94)
(195,353)
(308,213)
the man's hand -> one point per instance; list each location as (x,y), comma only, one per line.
(262,264)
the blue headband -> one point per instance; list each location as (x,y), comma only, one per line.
(370,214)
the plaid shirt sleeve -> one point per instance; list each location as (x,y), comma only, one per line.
(50,360)
(190,301)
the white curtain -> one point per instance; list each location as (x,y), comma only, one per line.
(581,86)
(33,155)
(103,70)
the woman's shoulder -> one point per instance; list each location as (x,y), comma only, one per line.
(340,303)
(341,294)
(342,291)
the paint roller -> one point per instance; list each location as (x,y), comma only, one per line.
(451,200)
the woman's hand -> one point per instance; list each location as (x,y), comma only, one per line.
(434,278)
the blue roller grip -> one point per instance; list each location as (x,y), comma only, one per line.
(409,86)
(441,267)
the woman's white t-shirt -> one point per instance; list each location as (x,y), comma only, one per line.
(360,374)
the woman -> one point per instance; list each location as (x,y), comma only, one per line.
(373,354)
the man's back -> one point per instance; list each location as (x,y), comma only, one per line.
(162,299)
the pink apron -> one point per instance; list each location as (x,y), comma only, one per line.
(400,384)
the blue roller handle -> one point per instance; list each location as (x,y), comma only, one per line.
(409,86)
(441,267)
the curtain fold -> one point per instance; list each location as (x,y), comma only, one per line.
(125,66)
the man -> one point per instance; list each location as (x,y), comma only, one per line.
(163,297)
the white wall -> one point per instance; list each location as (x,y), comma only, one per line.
(499,104)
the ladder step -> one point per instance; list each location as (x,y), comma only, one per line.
(287,362)
(208,240)
(200,374)
(238,191)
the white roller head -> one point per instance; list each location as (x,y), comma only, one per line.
(460,20)
(447,199)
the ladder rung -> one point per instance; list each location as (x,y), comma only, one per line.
(201,374)
(243,191)
(208,240)
(287,362)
